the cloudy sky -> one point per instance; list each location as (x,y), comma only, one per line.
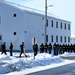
(65,9)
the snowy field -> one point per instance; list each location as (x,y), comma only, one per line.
(21,66)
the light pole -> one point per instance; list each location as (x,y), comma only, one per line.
(45,21)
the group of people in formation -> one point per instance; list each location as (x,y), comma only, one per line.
(57,48)
(3,48)
(43,48)
(47,48)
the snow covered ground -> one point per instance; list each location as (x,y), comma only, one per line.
(68,54)
(12,65)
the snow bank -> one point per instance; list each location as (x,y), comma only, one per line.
(10,64)
(68,54)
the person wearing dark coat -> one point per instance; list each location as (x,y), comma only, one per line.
(11,48)
(71,48)
(50,48)
(68,48)
(3,46)
(60,49)
(55,48)
(74,48)
(35,48)
(22,48)
(63,47)
(42,48)
(45,47)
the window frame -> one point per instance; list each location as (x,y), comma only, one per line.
(52,40)
(65,26)
(0,37)
(15,33)
(68,26)
(56,24)
(68,39)
(0,19)
(46,38)
(65,39)
(61,25)
(52,23)
(56,38)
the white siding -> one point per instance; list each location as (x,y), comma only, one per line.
(27,25)
(11,24)
(72,40)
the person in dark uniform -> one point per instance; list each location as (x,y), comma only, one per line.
(35,48)
(11,48)
(42,48)
(57,49)
(50,48)
(54,47)
(22,48)
(60,49)
(74,48)
(45,47)
(4,48)
(63,47)
(71,48)
(68,48)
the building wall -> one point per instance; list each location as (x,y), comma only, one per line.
(58,31)
(34,27)
(19,26)
(12,21)
(72,40)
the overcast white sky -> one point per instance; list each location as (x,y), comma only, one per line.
(65,9)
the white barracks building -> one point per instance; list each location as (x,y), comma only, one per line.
(20,24)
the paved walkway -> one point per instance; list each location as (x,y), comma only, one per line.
(62,70)
(69,58)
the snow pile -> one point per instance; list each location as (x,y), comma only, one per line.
(68,54)
(10,64)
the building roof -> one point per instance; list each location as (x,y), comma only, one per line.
(25,8)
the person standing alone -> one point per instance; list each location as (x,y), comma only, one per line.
(11,48)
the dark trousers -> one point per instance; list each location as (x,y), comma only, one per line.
(11,52)
(4,51)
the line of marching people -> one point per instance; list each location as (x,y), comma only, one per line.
(57,48)
(43,48)
(3,49)
(47,48)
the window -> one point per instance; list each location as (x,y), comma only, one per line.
(68,39)
(65,25)
(0,37)
(68,26)
(56,38)
(14,15)
(65,39)
(14,33)
(47,22)
(61,25)
(52,38)
(46,38)
(60,38)
(56,24)
(52,23)
(43,18)
(0,19)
